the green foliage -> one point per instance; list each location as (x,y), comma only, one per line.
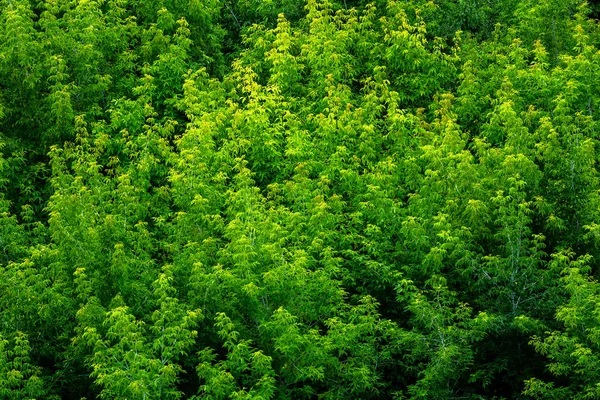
(572,349)
(283,199)
(20,379)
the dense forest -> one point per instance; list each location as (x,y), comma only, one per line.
(284,199)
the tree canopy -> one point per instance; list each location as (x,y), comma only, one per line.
(280,199)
